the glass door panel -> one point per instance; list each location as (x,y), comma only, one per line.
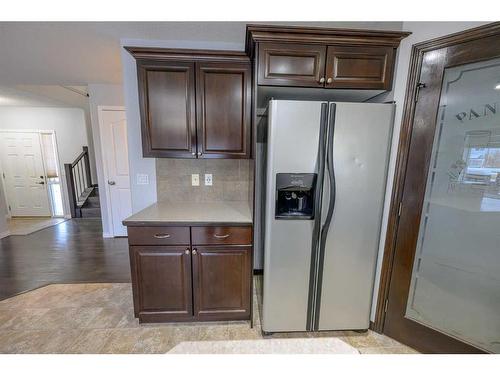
(455,283)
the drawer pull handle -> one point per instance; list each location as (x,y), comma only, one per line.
(220,237)
(160,236)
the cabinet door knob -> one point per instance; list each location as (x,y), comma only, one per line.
(193,153)
(199,153)
(322,80)
(187,251)
(194,252)
(329,80)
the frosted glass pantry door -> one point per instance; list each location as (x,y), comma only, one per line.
(455,284)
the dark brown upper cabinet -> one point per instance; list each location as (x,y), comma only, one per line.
(282,64)
(359,67)
(167,102)
(194,103)
(223,95)
(323,57)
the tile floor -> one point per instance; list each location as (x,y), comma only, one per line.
(98,318)
(22,226)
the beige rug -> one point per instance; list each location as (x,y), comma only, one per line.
(266,346)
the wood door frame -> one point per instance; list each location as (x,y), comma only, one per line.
(100,110)
(39,132)
(417,54)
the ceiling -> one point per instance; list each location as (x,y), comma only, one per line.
(43,96)
(78,53)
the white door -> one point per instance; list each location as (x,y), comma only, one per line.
(115,154)
(24,174)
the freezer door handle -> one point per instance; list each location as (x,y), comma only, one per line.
(329,214)
(317,217)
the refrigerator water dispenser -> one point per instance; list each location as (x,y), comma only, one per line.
(295,196)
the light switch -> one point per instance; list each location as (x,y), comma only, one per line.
(142,179)
(208,179)
(195,179)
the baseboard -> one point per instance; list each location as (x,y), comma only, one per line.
(4,234)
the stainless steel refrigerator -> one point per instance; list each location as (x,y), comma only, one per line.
(326,172)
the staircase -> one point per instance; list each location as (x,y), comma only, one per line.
(83,195)
(92,206)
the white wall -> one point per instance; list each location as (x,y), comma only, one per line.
(68,124)
(421,31)
(102,95)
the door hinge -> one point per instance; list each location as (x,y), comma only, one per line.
(386,304)
(10,209)
(417,90)
(3,174)
(400,208)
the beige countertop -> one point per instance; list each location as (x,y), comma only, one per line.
(191,213)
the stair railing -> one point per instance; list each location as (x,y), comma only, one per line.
(78,179)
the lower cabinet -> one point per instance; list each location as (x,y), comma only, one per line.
(222,282)
(191,282)
(163,283)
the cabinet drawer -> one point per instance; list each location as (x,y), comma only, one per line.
(158,235)
(222,235)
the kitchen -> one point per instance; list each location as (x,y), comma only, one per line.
(291,141)
(201,105)
(290,196)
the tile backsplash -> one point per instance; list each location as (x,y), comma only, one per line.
(232,180)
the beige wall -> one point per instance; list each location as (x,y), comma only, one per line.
(231,180)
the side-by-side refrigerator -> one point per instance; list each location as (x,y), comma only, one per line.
(326,173)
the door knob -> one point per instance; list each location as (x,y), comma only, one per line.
(322,80)
(329,80)
(111,182)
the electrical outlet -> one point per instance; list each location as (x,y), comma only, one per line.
(208,179)
(195,179)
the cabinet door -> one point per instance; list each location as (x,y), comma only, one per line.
(222,282)
(162,283)
(359,67)
(223,109)
(167,102)
(287,64)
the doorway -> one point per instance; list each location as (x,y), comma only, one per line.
(113,129)
(442,259)
(30,179)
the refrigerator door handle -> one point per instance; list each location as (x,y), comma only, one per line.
(318,194)
(329,214)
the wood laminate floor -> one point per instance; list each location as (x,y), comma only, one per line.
(71,252)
